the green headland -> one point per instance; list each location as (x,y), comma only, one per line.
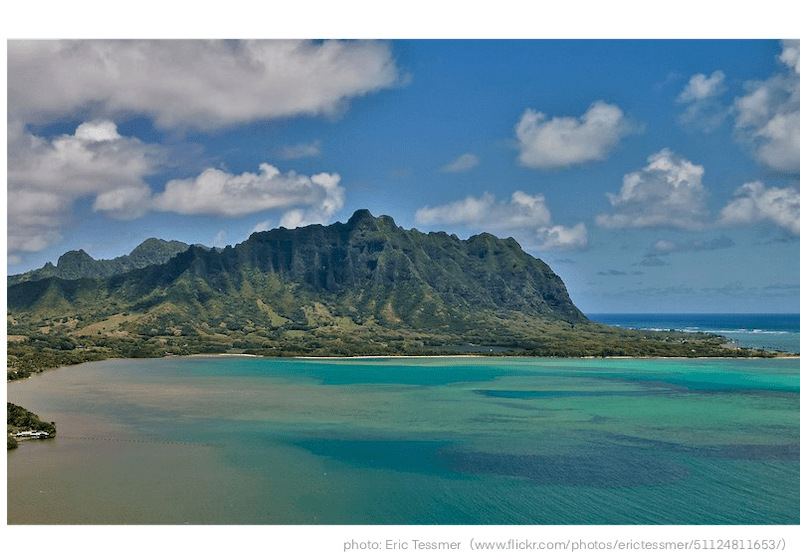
(364,287)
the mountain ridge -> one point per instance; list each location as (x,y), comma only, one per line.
(368,249)
(361,287)
(77,264)
(372,256)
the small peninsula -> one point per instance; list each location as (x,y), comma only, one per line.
(22,424)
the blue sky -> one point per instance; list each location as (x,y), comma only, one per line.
(652,175)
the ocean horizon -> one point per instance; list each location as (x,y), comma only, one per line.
(768,331)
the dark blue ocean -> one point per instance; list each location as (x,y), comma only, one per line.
(774,332)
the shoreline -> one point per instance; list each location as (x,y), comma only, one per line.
(363,357)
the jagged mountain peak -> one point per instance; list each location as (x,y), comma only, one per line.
(74,257)
(360,216)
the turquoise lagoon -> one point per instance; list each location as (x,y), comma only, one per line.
(237,440)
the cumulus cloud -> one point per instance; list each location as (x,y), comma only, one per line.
(465,162)
(523,210)
(306,199)
(768,115)
(702,87)
(790,54)
(95,159)
(703,110)
(755,202)
(47,176)
(565,141)
(560,237)
(781,147)
(525,216)
(202,84)
(668,192)
(180,84)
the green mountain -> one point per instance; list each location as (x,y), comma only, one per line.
(367,268)
(77,264)
(365,286)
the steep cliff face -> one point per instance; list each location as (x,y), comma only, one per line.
(372,259)
(367,269)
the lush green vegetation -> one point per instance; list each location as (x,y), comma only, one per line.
(337,337)
(19,418)
(41,343)
(364,287)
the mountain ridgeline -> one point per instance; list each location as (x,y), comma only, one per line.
(365,286)
(77,264)
(367,269)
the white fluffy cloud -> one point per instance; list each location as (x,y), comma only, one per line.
(522,210)
(668,192)
(703,109)
(306,199)
(768,116)
(755,202)
(203,84)
(526,217)
(702,87)
(46,177)
(179,84)
(463,163)
(95,159)
(790,54)
(566,141)
(560,237)
(781,141)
